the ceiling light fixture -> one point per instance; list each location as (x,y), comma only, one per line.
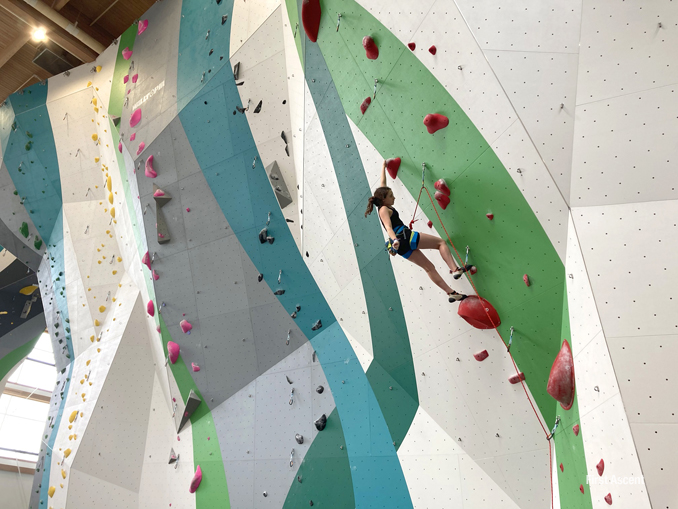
(39,35)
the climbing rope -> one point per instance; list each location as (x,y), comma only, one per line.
(475,289)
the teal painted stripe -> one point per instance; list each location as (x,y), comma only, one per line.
(225,150)
(31,159)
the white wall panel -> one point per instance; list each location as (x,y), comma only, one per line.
(248,17)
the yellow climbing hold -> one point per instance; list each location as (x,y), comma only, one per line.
(115,272)
(96,159)
(62,485)
(112,211)
(89,83)
(87,363)
(96,323)
(94,99)
(109,184)
(27,290)
(113,299)
(98,68)
(95,137)
(81,414)
(51,491)
(98,350)
(74,414)
(119,259)
(83,380)
(110,198)
(63,473)
(70,426)
(70,437)
(96,110)
(99,262)
(108,231)
(67,453)
(102,309)
(91,338)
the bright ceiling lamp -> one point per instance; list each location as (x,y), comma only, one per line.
(39,35)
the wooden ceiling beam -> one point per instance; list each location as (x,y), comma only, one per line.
(59,4)
(13,48)
(94,31)
(60,36)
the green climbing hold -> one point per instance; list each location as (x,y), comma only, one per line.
(38,243)
(28,146)
(29,134)
(16,192)
(24,229)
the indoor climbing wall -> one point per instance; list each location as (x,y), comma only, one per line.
(228,328)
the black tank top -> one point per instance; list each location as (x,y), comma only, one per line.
(395,218)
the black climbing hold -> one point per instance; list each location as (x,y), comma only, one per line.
(282,135)
(321,422)
(224,18)
(320,389)
(271,240)
(279,292)
(218,2)
(288,380)
(298,479)
(211,51)
(311,502)
(263,234)
(205,102)
(241,83)
(294,315)
(236,71)
(234,112)
(299,438)
(298,307)
(241,110)
(260,278)
(306,254)
(258,108)
(287,150)
(285,101)
(289,221)
(317,325)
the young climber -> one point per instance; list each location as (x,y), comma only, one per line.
(409,244)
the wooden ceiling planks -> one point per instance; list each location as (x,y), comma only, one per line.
(20,71)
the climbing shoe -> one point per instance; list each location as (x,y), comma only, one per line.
(460,270)
(456,297)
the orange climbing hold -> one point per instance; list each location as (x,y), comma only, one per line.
(365,104)
(310,18)
(435,121)
(392,166)
(479,313)
(561,379)
(371,49)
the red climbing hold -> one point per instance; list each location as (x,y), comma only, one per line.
(432,50)
(581,488)
(411,45)
(561,468)
(442,199)
(479,313)
(526,279)
(481,356)
(172,351)
(147,260)
(392,165)
(430,224)
(490,216)
(575,430)
(608,498)
(197,479)
(371,49)
(600,467)
(561,379)
(441,186)
(150,308)
(366,103)
(435,122)
(515,379)
(310,17)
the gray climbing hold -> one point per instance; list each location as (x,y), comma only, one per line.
(279,292)
(317,325)
(299,438)
(320,389)
(321,422)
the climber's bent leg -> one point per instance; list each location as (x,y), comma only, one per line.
(427,241)
(420,259)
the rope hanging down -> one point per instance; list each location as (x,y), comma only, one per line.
(475,289)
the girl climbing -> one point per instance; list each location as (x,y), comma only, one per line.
(409,244)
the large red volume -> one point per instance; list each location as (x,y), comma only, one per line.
(561,379)
(441,186)
(475,310)
(371,49)
(310,17)
(392,166)
(366,104)
(435,122)
(442,199)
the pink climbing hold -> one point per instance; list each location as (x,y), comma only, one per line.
(146,259)
(178,438)
(411,45)
(127,53)
(143,25)
(442,199)
(155,275)
(120,146)
(125,79)
(185,326)
(172,351)
(441,186)
(150,308)
(561,468)
(432,50)
(600,467)
(141,148)
(561,379)
(197,478)
(132,136)
(366,104)
(158,329)
(515,379)
(392,166)
(195,367)
(160,234)
(435,121)
(490,216)
(481,356)
(159,192)
(135,118)
(430,224)
(371,49)
(526,279)
(135,78)
(150,171)
(310,18)
(581,488)
(608,498)
(188,209)
(575,430)
(479,313)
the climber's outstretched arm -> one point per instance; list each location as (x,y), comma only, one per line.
(383,175)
